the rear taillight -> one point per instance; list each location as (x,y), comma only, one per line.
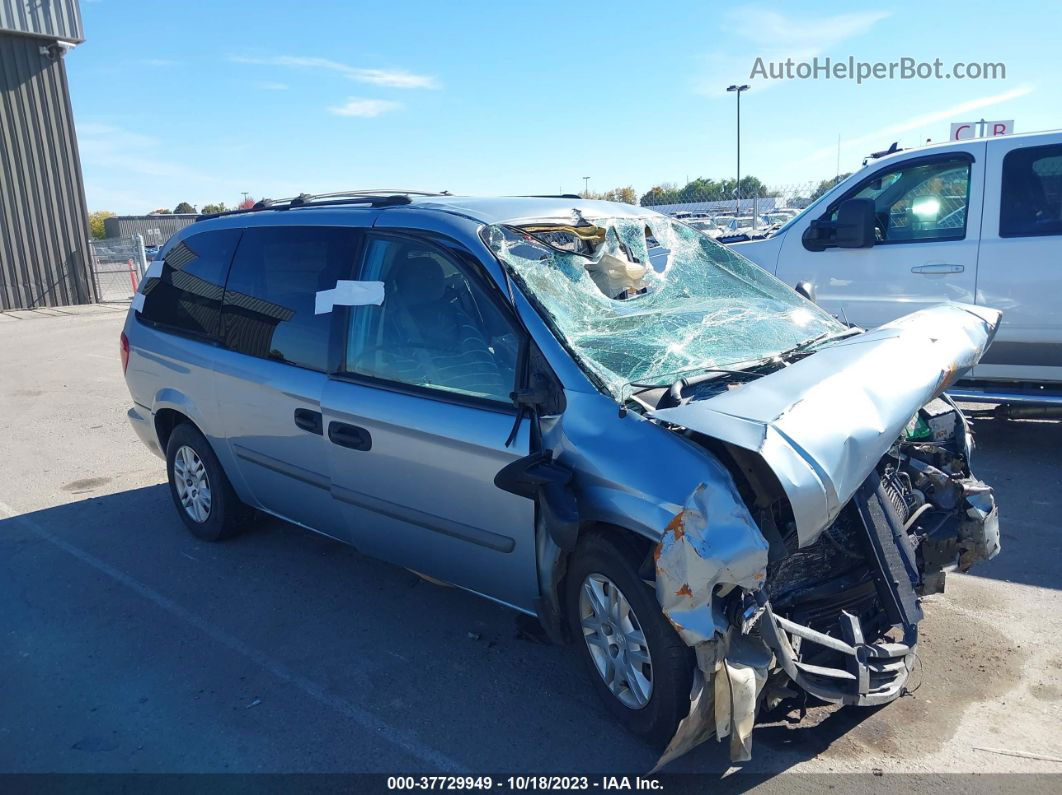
(125,352)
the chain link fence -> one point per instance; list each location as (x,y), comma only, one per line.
(721,209)
(118,265)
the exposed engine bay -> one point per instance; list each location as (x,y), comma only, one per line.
(838,619)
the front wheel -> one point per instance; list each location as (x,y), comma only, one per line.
(638,664)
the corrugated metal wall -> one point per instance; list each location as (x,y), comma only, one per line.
(155,229)
(54,19)
(43,219)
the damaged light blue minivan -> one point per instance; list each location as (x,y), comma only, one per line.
(587,411)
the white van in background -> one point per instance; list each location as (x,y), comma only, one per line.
(975,221)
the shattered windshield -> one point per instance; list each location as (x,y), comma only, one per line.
(650,299)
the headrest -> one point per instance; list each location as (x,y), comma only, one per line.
(420,280)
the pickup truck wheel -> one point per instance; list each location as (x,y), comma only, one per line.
(636,661)
(204,498)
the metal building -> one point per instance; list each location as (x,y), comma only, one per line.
(44,259)
(155,229)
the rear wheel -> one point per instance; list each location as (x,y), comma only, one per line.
(637,663)
(204,498)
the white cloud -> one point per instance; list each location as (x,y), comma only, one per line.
(129,171)
(392,78)
(797,37)
(364,108)
(775,36)
(885,135)
(121,151)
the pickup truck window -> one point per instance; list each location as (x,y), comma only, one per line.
(918,201)
(1031,200)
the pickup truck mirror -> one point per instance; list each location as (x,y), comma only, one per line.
(855,224)
(854,227)
(806,289)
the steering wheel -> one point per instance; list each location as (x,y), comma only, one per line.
(879,228)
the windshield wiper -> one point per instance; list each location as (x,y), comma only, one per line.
(673,397)
(823,337)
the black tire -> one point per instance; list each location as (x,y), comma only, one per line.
(672,660)
(227,516)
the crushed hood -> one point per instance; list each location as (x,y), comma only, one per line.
(823,423)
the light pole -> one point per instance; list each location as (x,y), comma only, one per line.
(586,187)
(737,188)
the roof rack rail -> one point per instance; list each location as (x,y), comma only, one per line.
(551,196)
(380,191)
(376,197)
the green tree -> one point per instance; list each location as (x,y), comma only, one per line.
(96,225)
(826,184)
(751,187)
(160,211)
(704,189)
(625,195)
(212,209)
(666,193)
(183,207)
(701,190)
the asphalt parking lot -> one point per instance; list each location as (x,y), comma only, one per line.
(128,645)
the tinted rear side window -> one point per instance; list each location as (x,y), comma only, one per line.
(271,292)
(1031,203)
(187,296)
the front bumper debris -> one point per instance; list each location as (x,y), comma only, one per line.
(851,656)
(875,673)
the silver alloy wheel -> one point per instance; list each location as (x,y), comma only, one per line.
(615,640)
(193,486)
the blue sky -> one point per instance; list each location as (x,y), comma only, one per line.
(198,101)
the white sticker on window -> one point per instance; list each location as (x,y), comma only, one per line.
(137,303)
(349,294)
(154,270)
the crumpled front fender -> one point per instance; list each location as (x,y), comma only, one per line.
(713,541)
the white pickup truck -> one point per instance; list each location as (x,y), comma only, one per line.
(976,221)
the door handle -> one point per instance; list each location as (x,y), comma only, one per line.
(349,436)
(938,267)
(309,420)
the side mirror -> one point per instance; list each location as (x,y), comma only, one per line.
(855,224)
(854,227)
(806,289)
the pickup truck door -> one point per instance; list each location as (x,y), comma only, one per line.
(928,211)
(1020,267)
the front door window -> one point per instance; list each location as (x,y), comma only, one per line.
(919,201)
(437,329)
